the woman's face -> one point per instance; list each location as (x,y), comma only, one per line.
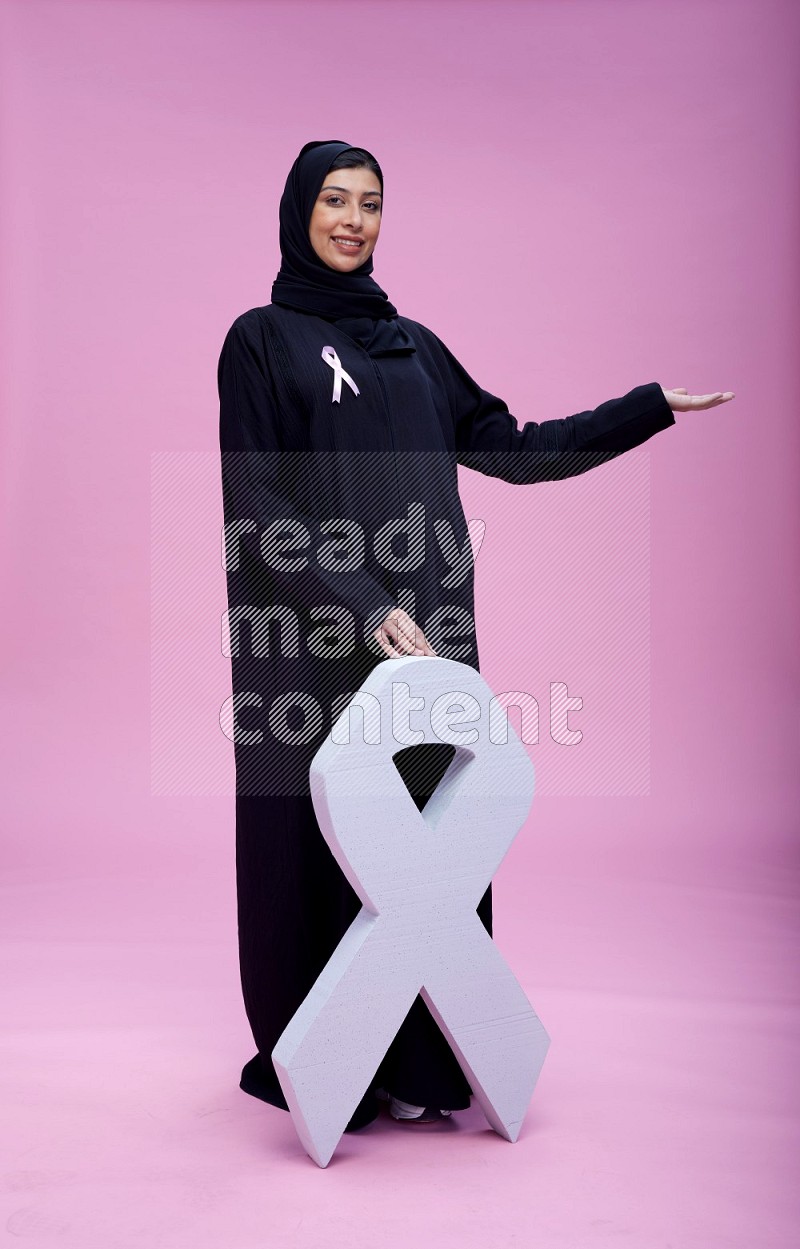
(348,207)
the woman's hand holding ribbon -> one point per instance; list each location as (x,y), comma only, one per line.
(399,635)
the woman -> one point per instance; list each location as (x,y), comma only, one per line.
(353,420)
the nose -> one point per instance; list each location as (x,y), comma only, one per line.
(354,216)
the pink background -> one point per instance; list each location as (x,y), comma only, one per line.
(580,197)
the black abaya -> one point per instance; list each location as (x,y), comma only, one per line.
(366,458)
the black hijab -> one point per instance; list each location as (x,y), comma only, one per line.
(352,301)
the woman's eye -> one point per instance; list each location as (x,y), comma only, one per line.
(337,199)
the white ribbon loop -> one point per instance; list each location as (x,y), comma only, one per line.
(420,877)
(330,357)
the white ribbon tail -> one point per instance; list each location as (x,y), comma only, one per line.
(339,373)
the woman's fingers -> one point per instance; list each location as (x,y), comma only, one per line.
(392,640)
(399,635)
(410,639)
(419,643)
(406,639)
(427,649)
(680,400)
(696,402)
(393,628)
(385,645)
(385,636)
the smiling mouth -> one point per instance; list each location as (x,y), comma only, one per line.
(353,244)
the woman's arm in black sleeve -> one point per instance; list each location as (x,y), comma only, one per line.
(489,439)
(258,479)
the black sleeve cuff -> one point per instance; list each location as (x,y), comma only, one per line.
(620,424)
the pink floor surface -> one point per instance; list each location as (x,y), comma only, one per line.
(665,1115)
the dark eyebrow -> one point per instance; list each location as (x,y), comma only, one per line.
(344,188)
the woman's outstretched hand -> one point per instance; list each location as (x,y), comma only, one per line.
(399,635)
(681,401)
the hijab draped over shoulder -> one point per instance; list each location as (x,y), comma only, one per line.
(352,301)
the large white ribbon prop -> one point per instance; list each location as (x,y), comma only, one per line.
(330,357)
(420,877)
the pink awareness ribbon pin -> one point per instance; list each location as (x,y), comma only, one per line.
(330,357)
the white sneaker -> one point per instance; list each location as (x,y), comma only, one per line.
(408,1112)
